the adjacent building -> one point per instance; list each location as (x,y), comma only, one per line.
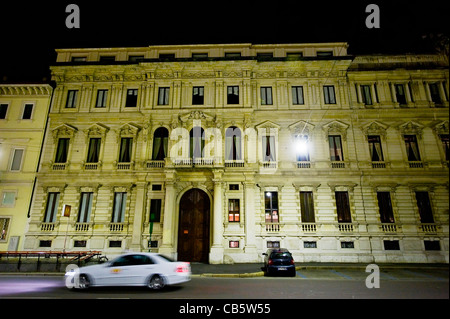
(23,117)
(214,153)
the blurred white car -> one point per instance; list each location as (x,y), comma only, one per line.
(133,269)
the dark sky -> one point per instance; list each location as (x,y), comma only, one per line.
(31,30)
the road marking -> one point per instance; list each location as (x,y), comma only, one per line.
(301,275)
(341,274)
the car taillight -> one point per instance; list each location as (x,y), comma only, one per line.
(270,262)
(183,268)
(292,261)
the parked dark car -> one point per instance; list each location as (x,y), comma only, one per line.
(278,261)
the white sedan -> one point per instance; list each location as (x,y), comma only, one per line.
(132,269)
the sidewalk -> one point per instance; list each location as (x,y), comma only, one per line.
(254,269)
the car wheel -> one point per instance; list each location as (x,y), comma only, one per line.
(156,282)
(84,282)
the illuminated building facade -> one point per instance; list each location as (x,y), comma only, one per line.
(23,116)
(213,153)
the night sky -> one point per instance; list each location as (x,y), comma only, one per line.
(31,30)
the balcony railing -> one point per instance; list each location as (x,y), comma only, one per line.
(82,227)
(309,227)
(303,164)
(124,166)
(345,227)
(91,166)
(380,164)
(428,228)
(155,164)
(116,227)
(47,226)
(388,228)
(234,163)
(268,164)
(415,164)
(272,227)
(337,164)
(59,166)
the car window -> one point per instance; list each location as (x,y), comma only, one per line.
(132,260)
(280,255)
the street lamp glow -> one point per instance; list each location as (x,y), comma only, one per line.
(301,145)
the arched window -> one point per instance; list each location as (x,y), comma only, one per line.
(233,143)
(197,142)
(160,144)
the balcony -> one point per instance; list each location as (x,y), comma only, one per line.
(234,163)
(47,227)
(430,228)
(309,227)
(380,164)
(345,227)
(268,164)
(388,228)
(91,166)
(124,166)
(59,166)
(82,227)
(303,164)
(272,227)
(155,164)
(415,164)
(116,227)
(337,164)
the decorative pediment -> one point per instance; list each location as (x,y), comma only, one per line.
(337,128)
(411,128)
(64,130)
(442,128)
(375,128)
(267,125)
(97,130)
(301,127)
(128,129)
(196,115)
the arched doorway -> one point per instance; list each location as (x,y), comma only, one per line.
(193,226)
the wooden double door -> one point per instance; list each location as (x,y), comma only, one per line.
(194,226)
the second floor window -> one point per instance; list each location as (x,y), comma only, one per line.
(424,205)
(268,148)
(126,147)
(336,152)
(376,153)
(366,94)
(446,145)
(412,148)
(434,92)
(307,207)
(400,94)
(155,210)
(233,210)
(197,142)
(27,111)
(385,207)
(17,156)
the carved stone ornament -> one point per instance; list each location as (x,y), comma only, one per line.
(336,127)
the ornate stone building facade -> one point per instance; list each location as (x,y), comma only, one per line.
(214,153)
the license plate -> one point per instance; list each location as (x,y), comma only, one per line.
(282,268)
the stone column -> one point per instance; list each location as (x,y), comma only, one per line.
(136,237)
(216,253)
(250,250)
(168,246)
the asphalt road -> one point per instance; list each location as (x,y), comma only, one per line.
(308,284)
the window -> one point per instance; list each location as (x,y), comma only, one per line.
(324,53)
(424,205)
(84,212)
(233,210)
(309,244)
(199,55)
(27,111)
(294,55)
(80,243)
(412,148)
(107,58)
(307,207)
(78,59)
(347,244)
(271,207)
(268,148)
(71,99)
(135,58)
(266,95)
(160,144)
(16,163)
(336,152)
(197,95)
(385,207)
(434,92)
(232,54)
(432,245)
(115,244)
(273,244)
(126,147)
(391,245)
(400,94)
(167,56)
(3,111)
(297,95)
(156,187)
(102,95)
(376,153)
(62,150)
(343,207)
(233,187)
(94,150)
(302,148)
(446,145)
(264,55)
(8,198)
(51,210)
(155,210)
(45,243)
(233,95)
(4,228)
(131,98)
(163,96)
(366,94)
(233,244)
(233,143)
(328,92)
(120,201)
(197,142)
